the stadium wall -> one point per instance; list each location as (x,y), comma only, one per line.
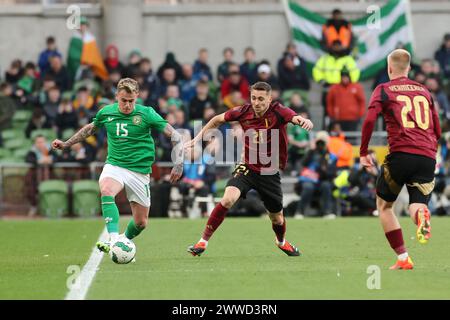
(183,29)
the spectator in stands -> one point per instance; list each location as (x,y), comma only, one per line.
(44,56)
(134,59)
(201,101)
(28,82)
(38,121)
(442,55)
(187,84)
(52,104)
(84,106)
(327,71)
(296,103)
(337,28)
(181,123)
(429,67)
(346,103)
(81,152)
(169,77)
(151,80)
(318,172)
(112,61)
(7,107)
(194,176)
(14,72)
(59,73)
(223,68)
(201,68)
(420,77)
(292,76)
(291,49)
(41,156)
(299,142)
(232,100)
(338,146)
(264,73)
(171,63)
(233,82)
(249,66)
(67,117)
(439,97)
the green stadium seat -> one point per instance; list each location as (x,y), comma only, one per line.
(49,134)
(11,160)
(66,134)
(5,153)
(86,198)
(9,134)
(21,118)
(53,202)
(220,186)
(17,143)
(21,153)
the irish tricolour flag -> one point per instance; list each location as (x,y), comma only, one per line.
(376,38)
(83,50)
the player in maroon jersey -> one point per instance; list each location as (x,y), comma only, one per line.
(264,124)
(413,130)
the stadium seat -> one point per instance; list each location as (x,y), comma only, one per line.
(49,134)
(66,134)
(53,202)
(9,134)
(17,143)
(21,153)
(5,153)
(220,186)
(86,198)
(21,119)
(11,160)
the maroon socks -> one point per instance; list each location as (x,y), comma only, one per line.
(214,221)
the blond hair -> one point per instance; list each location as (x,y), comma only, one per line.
(399,60)
(129,85)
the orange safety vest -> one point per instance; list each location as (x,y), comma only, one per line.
(331,34)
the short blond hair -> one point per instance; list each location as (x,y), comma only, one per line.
(129,85)
(399,60)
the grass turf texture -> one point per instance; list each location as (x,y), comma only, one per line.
(241,261)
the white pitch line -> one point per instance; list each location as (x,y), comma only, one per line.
(84,280)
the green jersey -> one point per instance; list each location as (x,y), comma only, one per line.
(130,144)
(298,134)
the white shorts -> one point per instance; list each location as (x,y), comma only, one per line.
(137,185)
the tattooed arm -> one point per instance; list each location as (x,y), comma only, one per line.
(81,135)
(177,152)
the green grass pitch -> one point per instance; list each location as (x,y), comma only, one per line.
(241,262)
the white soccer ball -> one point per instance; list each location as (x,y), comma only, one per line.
(122,251)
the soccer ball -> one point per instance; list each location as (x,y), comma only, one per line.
(122,251)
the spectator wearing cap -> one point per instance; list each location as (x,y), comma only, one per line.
(264,73)
(291,49)
(346,103)
(44,56)
(171,63)
(248,67)
(442,55)
(292,76)
(317,173)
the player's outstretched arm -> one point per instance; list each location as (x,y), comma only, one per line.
(81,135)
(177,152)
(214,123)
(302,122)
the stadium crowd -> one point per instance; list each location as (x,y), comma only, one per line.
(185,92)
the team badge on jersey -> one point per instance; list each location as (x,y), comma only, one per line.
(137,120)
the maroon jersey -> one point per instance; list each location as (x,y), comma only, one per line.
(258,134)
(411,120)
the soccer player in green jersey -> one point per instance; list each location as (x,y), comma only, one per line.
(131,152)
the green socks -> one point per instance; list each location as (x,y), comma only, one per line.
(133,230)
(110,213)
